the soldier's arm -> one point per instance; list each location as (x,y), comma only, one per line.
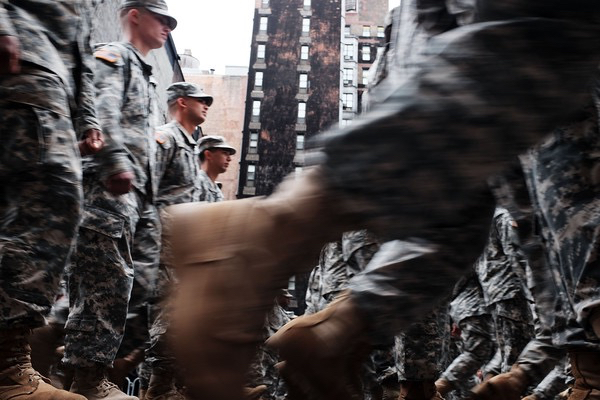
(109,83)
(87,120)
(165,150)
(9,44)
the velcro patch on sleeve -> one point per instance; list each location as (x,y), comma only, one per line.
(107,55)
(160,137)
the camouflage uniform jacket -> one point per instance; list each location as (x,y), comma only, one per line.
(126,102)
(210,192)
(55,42)
(499,267)
(468,299)
(177,166)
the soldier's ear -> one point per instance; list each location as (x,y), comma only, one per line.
(181,102)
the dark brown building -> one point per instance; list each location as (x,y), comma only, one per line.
(308,67)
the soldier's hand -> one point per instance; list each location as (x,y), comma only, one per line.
(120,183)
(10,54)
(92,143)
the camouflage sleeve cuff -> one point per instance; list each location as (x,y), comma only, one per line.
(83,128)
(115,165)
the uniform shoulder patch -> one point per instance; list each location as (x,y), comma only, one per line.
(110,54)
(161,137)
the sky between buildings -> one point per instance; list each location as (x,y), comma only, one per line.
(218,33)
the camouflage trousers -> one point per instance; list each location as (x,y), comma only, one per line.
(437,138)
(476,348)
(40,201)
(101,277)
(158,354)
(512,323)
(419,349)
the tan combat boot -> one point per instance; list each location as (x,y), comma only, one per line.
(94,385)
(254,393)
(585,367)
(507,386)
(231,258)
(323,352)
(18,379)
(162,386)
(419,390)
(443,386)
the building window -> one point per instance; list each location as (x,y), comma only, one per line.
(380,31)
(253,145)
(348,101)
(350,5)
(258,79)
(251,175)
(349,51)
(365,76)
(299,142)
(256,110)
(303,81)
(304,52)
(301,111)
(264,22)
(306,4)
(305,26)
(265,3)
(348,75)
(347,31)
(366,53)
(260,53)
(345,122)
(366,31)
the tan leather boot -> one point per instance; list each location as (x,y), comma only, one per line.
(443,386)
(94,385)
(18,379)
(231,258)
(162,386)
(507,386)
(323,352)
(585,367)
(254,393)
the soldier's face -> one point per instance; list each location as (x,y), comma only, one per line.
(199,109)
(154,29)
(220,159)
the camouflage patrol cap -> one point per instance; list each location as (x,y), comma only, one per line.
(214,142)
(187,89)
(156,6)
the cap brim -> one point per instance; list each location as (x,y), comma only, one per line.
(209,100)
(172,21)
(223,147)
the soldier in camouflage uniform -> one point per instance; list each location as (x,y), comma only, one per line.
(262,369)
(415,167)
(562,188)
(47,103)
(215,156)
(500,270)
(314,293)
(178,177)
(473,322)
(118,191)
